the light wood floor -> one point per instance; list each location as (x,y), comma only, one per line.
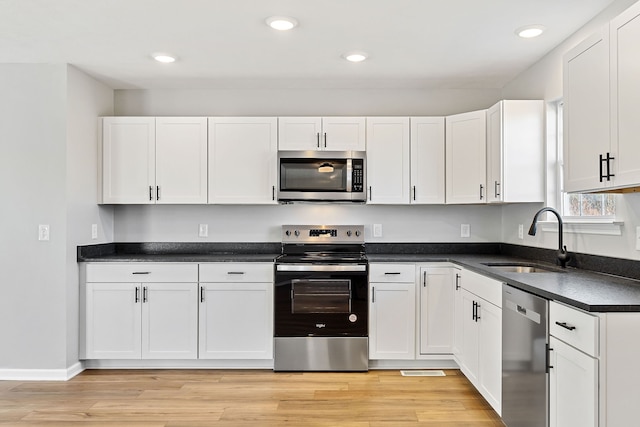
(158,398)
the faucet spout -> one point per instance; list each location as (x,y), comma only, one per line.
(563,255)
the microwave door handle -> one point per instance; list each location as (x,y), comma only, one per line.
(349,175)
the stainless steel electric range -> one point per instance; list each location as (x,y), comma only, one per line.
(321,303)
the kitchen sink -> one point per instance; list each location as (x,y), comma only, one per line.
(522,268)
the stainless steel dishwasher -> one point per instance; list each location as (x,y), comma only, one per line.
(525,382)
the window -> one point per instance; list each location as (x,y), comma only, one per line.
(575,206)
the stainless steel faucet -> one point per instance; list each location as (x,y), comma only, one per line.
(563,255)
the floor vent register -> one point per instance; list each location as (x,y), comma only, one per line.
(429,373)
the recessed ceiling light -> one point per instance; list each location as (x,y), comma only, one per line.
(164,57)
(530,31)
(282,23)
(355,56)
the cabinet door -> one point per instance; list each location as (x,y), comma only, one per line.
(236,321)
(392,321)
(466,158)
(427,160)
(458,313)
(242,160)
(181,160)
(170,321)
(494,153)
(573,387)
(586,112)
(343,134)
(625,97)
(388,160)
(128,160)
(490,353)
(299,133)
(436,310)
(113,320)
(468,359)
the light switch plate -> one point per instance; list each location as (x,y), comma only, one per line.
(465,230)
(377,230)
(43,232)
(94,231)
(203,230)
(520,231)
(638,238)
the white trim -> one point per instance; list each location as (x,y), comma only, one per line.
(603,227)
(442,362)
(41,374)
(178,364)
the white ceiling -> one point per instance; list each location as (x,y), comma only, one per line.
(225,43)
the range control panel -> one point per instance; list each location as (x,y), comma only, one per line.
(323,234)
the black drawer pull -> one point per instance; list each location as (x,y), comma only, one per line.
(392,273)
(141,272)
(564,325)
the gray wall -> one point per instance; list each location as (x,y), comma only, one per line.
(45,159)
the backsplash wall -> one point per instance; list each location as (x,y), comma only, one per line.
(228,223)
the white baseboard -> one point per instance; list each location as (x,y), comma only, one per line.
(41,374)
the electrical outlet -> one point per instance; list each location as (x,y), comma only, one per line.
(43,232)
(520,231)
(465,230)
(203,230)
(638,238)
(94,231)
(377,230)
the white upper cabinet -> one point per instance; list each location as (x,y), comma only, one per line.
(625,98)
(427,160)
(586,113)
(181,160)
(149,160)
(242,160)
(321,133)
(466,143)
(388,160)
(128,159)
(515,151)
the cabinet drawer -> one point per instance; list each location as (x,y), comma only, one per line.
(236,272)
(482,286)
(141,272)
(379,273)
(575,327)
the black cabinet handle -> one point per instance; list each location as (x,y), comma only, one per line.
(273,192)
(318,139)
(481,191)
(370,193)
(150,193)
(414,192)
(235,272)
(373,294)
(564,325)
(601,175)
(457,281)
(144,294)
(141,272)
(496,188)
(549,350)
(392,272)
(201,293)
(157,192)
(137,298)
(424,279)
(325,140)
(609,174)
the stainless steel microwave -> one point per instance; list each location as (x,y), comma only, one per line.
(322,176)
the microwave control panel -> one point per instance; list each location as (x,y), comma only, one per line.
(357,176)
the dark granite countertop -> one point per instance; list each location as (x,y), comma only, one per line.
(199,258)
(587,290)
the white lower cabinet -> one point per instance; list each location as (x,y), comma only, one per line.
(573,367)
(155,317)
(236,311)
(392,311)
(436,310)
(478,335)
(573,387)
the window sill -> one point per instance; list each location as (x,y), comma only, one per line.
(608,227)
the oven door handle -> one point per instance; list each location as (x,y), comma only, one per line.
(320,267)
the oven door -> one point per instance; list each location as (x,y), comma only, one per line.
(321,300)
